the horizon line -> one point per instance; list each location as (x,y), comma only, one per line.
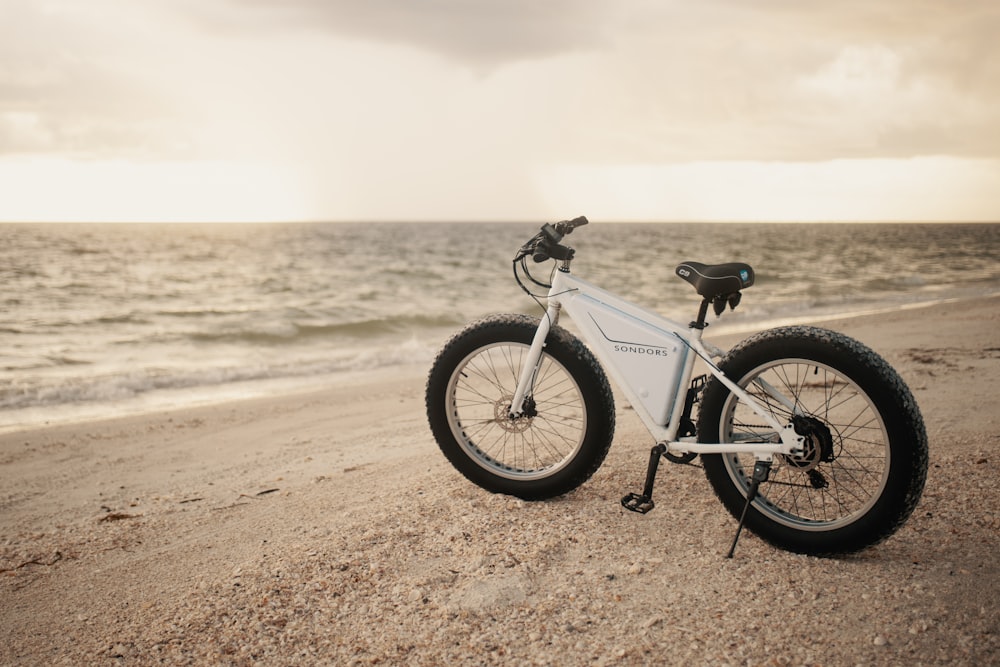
(487,221)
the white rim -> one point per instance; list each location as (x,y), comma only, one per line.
(479,393)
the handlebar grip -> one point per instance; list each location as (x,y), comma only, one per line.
(557,231)
(567,226)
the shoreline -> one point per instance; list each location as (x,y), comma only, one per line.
(159,402)
(151,403)
(852,314)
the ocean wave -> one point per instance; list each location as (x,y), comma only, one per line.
(283,332)
(902,282)
(57,360)
(121,318)
(29,392)
(21,363)
(196,312)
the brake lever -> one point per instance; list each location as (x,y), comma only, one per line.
(528,248)
(552,232)
(545,251)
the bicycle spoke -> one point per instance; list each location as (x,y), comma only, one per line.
(808,491)
(544,437)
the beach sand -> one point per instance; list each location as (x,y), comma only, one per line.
(327,528)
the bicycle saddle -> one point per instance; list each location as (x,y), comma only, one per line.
(715,280)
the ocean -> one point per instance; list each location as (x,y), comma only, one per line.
(102,320)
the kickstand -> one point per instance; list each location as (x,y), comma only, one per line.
(643,502)
(761,470)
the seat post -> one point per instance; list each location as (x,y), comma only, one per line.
(702,314)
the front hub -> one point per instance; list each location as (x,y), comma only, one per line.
(511,424)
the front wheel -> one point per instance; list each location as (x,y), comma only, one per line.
(865,459)
(567,424)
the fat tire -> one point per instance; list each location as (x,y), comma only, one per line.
(902,474)
(500,335)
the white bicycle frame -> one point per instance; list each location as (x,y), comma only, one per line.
(651,359)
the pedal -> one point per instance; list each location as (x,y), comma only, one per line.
(643,502)
(637,502)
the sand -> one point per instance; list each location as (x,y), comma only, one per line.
(326,528)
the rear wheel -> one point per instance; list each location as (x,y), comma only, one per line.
(568,422)
(865,459)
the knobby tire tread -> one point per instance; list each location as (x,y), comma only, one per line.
(906,433)
(578,360)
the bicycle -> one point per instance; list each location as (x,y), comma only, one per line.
(807,437)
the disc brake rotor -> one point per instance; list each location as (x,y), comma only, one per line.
(502,418)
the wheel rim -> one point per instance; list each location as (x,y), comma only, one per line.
(531,447)
(809,492)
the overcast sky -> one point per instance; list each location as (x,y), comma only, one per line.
(499,110)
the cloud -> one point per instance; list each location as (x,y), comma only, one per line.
(803,81)
(719,79)
(479,33)
(563,80)
(76,83)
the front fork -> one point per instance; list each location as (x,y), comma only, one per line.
(529,371)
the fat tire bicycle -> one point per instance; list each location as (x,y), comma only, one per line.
(810,439)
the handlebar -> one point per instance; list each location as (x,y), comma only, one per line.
(545,244)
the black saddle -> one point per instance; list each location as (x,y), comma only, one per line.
(716,280)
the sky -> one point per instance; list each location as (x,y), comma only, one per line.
(471,110)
